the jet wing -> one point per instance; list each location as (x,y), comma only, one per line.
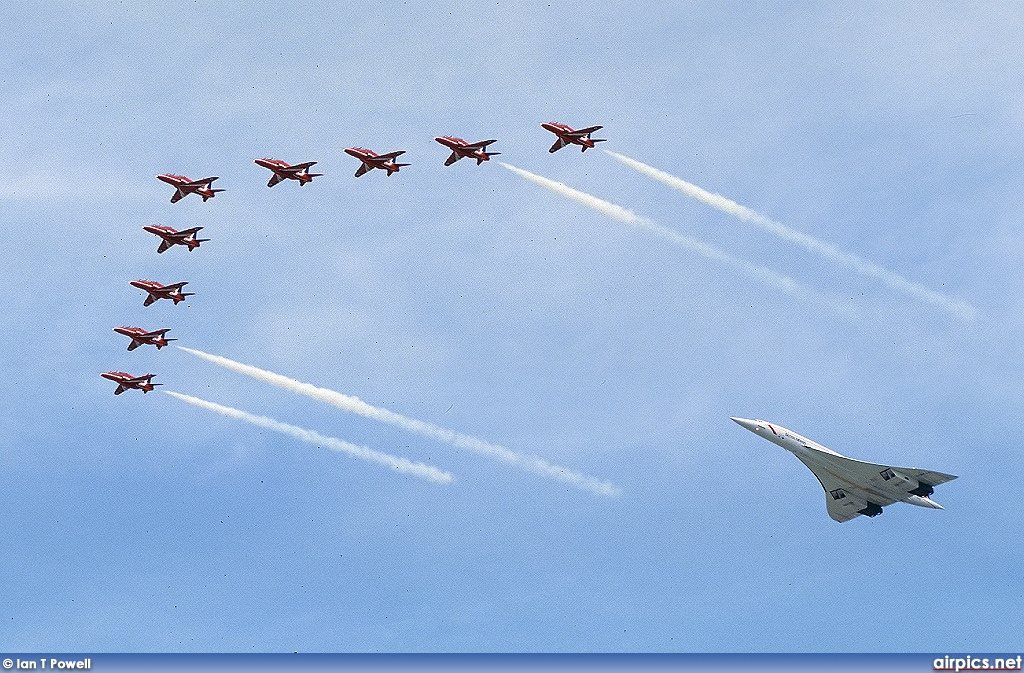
(452,159)
(391,155)
(200,183)
(838,490)
(362,170)
(189,232)
(301,167)
(582,132)
(927,476)
(559,144)
(164,245)
(274,180)
(178,196)
(480,145)
(872,473)
(841,510)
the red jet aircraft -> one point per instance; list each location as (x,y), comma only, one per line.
(184,186)
(186,237)
(141,337)
(568,136)
(157,291)
(284,171)
(460,148)
(126,381)
(373,160)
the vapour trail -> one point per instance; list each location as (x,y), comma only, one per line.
(959,309)
(394,462)
(357,406)
(763,274)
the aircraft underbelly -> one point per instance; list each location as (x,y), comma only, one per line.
(833,476)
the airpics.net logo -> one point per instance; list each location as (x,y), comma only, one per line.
(970,663)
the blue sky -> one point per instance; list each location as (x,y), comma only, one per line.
(473,299)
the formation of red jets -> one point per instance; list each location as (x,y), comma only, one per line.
(282,171)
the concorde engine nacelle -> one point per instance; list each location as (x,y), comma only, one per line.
(924,490)
(915,488)
(903,483)
(865,507)
(871,510)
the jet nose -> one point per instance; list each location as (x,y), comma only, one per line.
(746,423)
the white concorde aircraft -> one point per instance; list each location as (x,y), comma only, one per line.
(853,487)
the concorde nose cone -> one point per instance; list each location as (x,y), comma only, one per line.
(746,423)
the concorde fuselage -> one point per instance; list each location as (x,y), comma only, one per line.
(787,439)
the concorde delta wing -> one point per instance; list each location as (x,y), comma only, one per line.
(845,497)
(898,482)
(925,477)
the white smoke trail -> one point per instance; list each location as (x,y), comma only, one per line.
(458,440)
(765,275)
(394,462)
(959,309)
